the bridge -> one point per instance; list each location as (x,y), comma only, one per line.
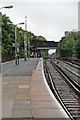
(45,44)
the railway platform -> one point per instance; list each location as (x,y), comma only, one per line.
(29,97)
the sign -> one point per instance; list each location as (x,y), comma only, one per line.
(15,44)
(17,49)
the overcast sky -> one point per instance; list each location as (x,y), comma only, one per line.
(44,17)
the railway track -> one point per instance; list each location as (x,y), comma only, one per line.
(72,70)
(68,97)
(77,66)
(76,62)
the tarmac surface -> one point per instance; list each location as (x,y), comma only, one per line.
(25,68)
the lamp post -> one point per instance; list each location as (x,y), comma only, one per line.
(30,45)
(9,6)
(29,49)
(0,39)
(25,41)
(17,45)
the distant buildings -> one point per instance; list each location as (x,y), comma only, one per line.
(68,32)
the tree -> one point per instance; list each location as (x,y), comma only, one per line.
(77,47)
(8,37)
(41,38)
(69,46)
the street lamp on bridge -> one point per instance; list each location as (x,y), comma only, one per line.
(9,6)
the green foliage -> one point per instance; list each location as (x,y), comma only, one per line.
(44,53)
(69,46)
(8,37)
(77,46)
(41,38)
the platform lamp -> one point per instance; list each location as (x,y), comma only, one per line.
(17,45)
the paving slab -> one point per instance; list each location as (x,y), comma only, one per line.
(41,98)
(21,113)
(23,91)
(7,108)
(21,107)
(21,102)
(22,97)
(22,118)
(24,86)
(45,104)
(16,98)
(47,113)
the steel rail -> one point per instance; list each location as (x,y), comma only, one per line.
(55,92)
(70,81)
